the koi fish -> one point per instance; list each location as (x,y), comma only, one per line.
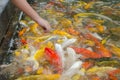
(91,14)
(89,42)
(87,53)
(112,63)
(99,47)
(88,5)
(99,71)
(96,78)
(100,28)
(71,57)
(115,31)
(40,77)
(87,64)
(62,33)
(52,38)
(34,28)
(71,71)
(113,73)
(23,41)
(73,31)
(61,53)
(53,58)
(105,39)
(81,3)
(22,31)
(34,64)
(65,22)
(39,38)
(97,36)
(68,42)
(115,50)
(39,54)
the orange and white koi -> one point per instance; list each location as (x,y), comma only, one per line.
(87,53)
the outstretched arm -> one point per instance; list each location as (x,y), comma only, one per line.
(26,8)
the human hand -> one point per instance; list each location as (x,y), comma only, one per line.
(45,25)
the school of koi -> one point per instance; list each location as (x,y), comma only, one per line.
(83,43)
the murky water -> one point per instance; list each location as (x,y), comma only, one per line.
(83,45)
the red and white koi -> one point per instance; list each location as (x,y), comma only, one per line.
(54,59)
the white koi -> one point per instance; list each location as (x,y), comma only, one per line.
(68,42)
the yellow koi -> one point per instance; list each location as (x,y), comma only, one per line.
(90,14)
(98,21)
(81,3)
(100,28)
(39,38)
(40,71)
(98,70)
(34,28)
(40,77)
(115,50)
(65,22)
(89,5)
(17,53)
(62,33)
(39,54)
(105,39)
(89,42)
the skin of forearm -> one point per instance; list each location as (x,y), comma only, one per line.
(26,8)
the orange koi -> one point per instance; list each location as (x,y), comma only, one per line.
(100,28)
(113,73)
(87,53)
(95,78)
(73,31)
(99,47)
(87,64)
(59,4)
(23,41)
(53,58)
(112,77)
(22,32)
